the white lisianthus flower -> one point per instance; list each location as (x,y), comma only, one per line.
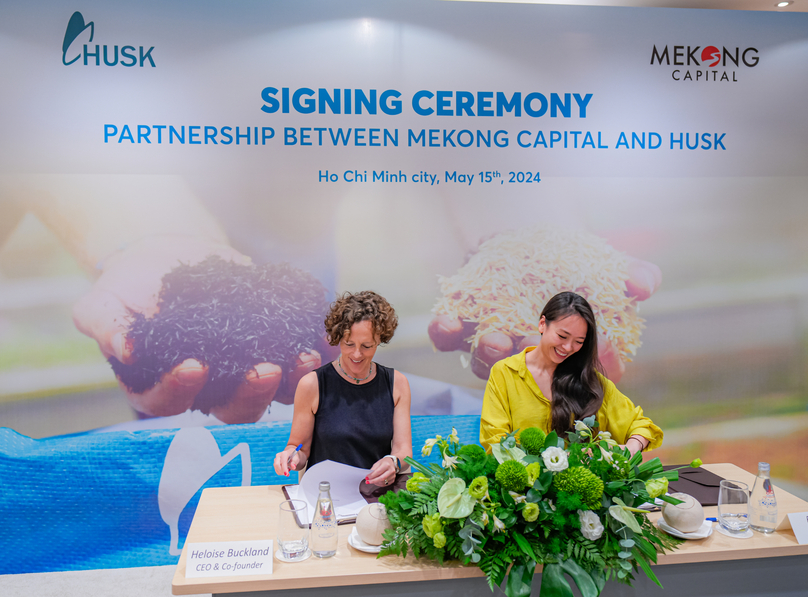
(484,519)
(449,461)
(518,498)
(555,459)
(453,437)
(591,527)
(580,426)
(499,526)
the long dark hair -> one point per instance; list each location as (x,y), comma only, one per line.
(577,390)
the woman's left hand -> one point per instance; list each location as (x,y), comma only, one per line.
(382,473)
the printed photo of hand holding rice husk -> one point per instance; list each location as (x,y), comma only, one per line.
(491,306)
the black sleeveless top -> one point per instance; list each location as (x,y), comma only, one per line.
(354,423)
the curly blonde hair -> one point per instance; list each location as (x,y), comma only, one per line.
(352,308)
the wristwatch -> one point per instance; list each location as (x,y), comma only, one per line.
(396,462)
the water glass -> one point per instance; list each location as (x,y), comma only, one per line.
(733,500)
(293,530)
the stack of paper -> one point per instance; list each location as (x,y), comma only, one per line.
(345,481)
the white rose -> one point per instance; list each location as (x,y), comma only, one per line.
(591,527)
(555,459)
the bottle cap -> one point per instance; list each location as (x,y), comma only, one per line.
(764,466)
(326,485)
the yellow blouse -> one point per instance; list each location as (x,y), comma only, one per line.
(513,400)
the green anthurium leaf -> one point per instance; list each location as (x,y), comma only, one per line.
(502,453)
(454,500)
(621,513)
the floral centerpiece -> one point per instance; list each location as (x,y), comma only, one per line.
(536,499)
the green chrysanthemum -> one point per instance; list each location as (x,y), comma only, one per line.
(471,452)
(582,482)
(532,440)
(512,475)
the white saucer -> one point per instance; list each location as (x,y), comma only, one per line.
(279,556)
(704,531)
(745,535)
(357,543)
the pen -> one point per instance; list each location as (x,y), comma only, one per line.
(289,462)
(712,519)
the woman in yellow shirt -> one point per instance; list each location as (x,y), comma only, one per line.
(551,385)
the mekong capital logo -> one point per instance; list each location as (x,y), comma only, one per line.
(706,63)
(74,51)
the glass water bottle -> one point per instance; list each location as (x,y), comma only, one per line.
(762,503)
(324,533)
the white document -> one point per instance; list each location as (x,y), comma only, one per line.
(345,481)
(797,522)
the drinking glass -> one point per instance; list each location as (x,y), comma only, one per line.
(293,530)
(733,499)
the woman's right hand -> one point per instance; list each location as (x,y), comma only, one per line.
(283,465)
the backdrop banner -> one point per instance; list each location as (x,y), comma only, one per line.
(185,188)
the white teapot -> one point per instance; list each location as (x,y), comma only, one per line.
(371,523)
(686,517)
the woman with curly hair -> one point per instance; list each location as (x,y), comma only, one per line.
(551,385)
(353,410)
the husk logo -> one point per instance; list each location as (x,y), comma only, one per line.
(73,49)
(725,62)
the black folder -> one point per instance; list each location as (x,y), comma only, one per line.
(698,482)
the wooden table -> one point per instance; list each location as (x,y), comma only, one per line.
(762,565)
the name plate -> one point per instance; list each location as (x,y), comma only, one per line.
(798,523)
(228,558)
